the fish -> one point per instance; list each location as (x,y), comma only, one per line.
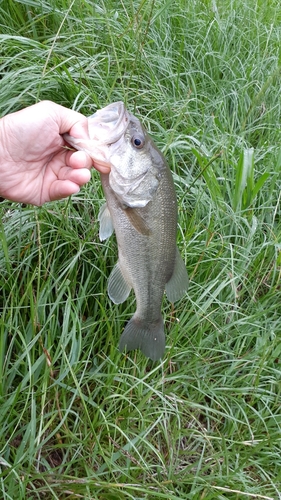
(141,208)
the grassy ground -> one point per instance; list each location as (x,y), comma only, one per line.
(77,419)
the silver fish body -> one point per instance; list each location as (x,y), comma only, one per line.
(141,207)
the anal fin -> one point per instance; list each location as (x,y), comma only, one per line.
(118,288)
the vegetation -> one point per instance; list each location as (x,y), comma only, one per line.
(77,418)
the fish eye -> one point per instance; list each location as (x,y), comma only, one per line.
(138,141)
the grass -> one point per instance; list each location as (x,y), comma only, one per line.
(77,418)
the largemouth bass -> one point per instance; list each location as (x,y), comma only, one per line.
(141,208)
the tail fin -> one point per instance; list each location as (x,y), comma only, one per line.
(148,337)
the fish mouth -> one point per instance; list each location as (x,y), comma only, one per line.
(108,124)
(106,129)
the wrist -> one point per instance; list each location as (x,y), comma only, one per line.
(5,156)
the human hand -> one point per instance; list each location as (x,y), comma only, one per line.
(34,165)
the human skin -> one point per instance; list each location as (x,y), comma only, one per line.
(35,165)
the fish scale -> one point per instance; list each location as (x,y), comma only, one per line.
(141,207)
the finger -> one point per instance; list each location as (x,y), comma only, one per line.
(77,175)
(62,189)
(68,120)
(103,169)
(80,128)
(79,159)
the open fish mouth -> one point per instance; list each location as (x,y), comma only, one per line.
(106,127)
(109,124)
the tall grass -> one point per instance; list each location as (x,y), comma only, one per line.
(77,418)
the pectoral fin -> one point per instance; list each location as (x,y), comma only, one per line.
(137,221)
(106,224)
(178,284)
(118,288)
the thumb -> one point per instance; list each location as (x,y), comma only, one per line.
(70,121)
